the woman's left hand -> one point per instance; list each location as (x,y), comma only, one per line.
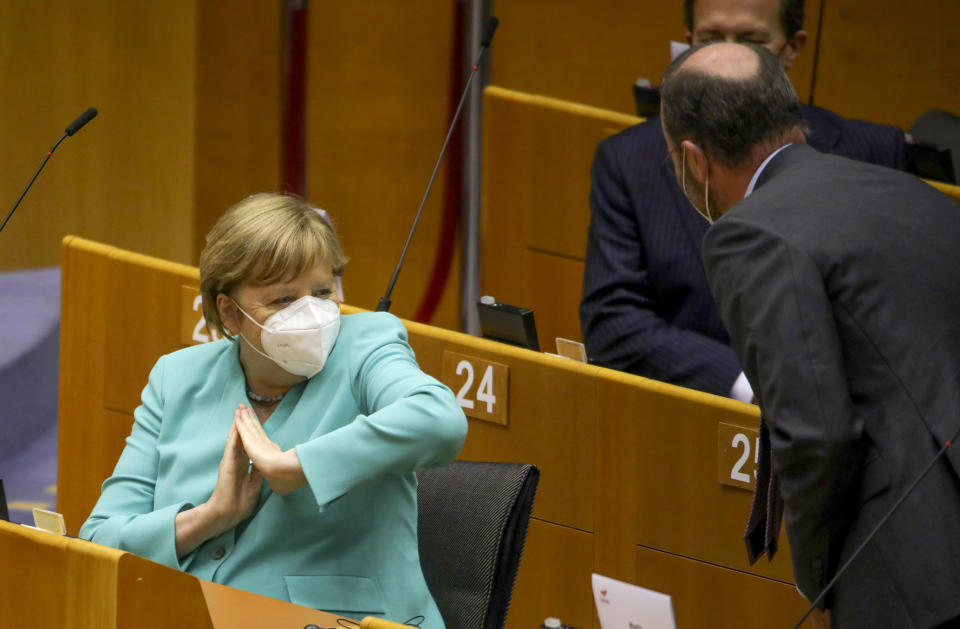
(281,468)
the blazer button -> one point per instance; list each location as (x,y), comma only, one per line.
(218,552)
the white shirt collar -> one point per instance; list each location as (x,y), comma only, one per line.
(756,175)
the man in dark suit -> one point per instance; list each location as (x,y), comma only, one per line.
(838,283)
(646,307)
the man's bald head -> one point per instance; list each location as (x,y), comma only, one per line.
(723,60)
(727,99)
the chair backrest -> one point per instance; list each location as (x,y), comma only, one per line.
(941,128)
(472,525)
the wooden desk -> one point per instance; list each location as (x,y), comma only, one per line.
(629,484)
(53,581)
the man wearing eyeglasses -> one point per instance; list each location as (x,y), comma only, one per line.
(646,307)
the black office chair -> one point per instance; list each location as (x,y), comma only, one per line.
(472,525)
(936,154)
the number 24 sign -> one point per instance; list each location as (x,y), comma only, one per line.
(481,386)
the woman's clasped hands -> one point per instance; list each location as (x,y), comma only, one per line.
(280,467)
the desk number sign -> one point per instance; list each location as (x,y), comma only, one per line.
(481,386)
(737,455)
(193,327)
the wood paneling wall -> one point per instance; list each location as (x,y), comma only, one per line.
(127,178)
(188,94)
(889,61)
(592,52)
(379,99)
(237,107)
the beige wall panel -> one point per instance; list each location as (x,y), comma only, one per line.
(712,596)
(592,52)
(238,126)
(889,61)
(378,109)
(127,178)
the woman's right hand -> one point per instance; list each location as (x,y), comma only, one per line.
(231,502)
(236,493)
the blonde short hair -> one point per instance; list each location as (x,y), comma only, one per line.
(263,239)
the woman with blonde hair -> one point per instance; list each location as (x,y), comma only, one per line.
(281,459)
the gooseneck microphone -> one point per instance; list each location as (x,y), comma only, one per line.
(384,304)
(946,446)
(75,126)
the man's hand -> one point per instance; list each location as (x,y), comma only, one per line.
(281,469)
(820,619)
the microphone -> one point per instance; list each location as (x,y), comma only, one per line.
(81,120)
(75,126)
(488,32)
(946,446)
(491,27)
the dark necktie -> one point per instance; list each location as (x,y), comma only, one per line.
(766,511)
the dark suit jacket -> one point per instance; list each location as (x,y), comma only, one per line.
(646,307)
(838,282)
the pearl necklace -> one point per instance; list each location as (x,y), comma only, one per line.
(263,399)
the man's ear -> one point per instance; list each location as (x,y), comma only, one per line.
(228,314)
(689,37)
(793,49)
(696,160)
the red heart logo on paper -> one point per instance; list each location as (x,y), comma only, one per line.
(603,592)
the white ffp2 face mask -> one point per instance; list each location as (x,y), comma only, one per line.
(300,337)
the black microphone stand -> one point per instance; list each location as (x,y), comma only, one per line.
(384,304)
(946,446)
(75,126)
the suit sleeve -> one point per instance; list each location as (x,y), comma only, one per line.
(772,299)
(411,420)
(890,147)
(621,326)
(124,516)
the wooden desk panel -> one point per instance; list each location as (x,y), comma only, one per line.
(553,285)
(948,189)
(86,462)
(552,420)
(83,305)
(75,584)
(662,456)
(706,595)
(554,577)
(144,309)
(64,582)
(537,153)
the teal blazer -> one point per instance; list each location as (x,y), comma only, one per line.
(347,541)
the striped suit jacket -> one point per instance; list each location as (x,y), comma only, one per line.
(646,306)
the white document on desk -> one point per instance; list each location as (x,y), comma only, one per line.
(624,606)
